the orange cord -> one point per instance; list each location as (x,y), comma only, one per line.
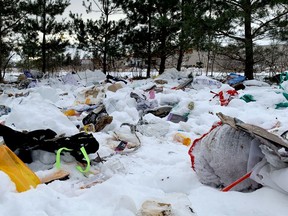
(247,175)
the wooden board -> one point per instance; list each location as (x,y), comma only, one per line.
(184,84)
(58,175)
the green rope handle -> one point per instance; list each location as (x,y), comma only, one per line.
(58,161)
(79,168)
(87,160)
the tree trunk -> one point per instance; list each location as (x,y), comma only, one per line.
(212,63)
(249,61)
(1,61)
(208,61)
(181,49)
(149,47)
(104,63)
(162,55)
(44,38)
(180,58)
(162,64)
(1,51)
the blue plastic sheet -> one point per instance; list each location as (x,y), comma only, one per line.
(234,78)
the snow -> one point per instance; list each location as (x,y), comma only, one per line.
(159,170)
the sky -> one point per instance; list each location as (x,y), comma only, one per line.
(77,7)
(154,169)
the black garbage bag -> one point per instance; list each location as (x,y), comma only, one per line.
(23,143)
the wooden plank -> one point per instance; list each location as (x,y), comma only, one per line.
(58,175)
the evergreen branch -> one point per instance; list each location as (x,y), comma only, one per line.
(13,24)
(235,3)
(267,23)
(236,56)
(231,36)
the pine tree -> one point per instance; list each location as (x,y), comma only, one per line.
(247,21)
(139,31)
(157,23)
(167,28)
(99,37)
(43,33)
(10,18)
(76,61)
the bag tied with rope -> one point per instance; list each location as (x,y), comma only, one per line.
(233,155)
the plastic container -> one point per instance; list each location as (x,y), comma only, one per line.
(23,177)
(182,138)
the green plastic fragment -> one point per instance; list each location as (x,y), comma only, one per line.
(281,105)
(87,160)
(58,161)
(285,95)
(247,98)
(79,168)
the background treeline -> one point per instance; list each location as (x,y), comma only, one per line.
(36,31)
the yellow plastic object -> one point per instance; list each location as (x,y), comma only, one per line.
(70,112)
(23,177)
(182,138)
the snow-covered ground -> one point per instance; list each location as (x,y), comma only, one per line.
(158,170)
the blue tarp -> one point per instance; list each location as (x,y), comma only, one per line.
(234,78)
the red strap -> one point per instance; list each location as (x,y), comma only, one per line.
(196,141)
(233,184)
(224,101)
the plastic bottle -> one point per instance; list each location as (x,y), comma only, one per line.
(182,138)
(23,177)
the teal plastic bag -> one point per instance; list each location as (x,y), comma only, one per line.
(285,95)
(281,105)
(247,98)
